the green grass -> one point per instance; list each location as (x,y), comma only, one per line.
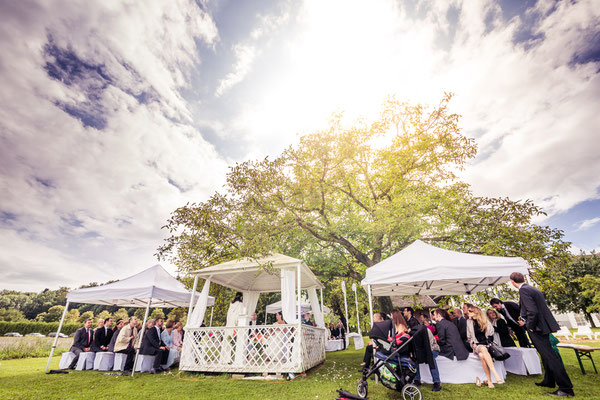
(25,347)
(25,379)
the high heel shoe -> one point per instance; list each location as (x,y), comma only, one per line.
(478,382)
(490,385)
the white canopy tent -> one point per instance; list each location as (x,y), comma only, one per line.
(273,273)
(151,287)
(423,269)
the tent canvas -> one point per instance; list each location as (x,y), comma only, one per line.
(423,269)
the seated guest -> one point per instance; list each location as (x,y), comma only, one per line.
(461,323)
(331,331)
(502,335)
(84,337)
(369,349)
(449,340)
(423,351)
(511,312)
(480,333)
(98,343)
(126,340)
(424,319)
(408,313)
(167,338)
(103,335)
(152,345)
(340,333)
(115,335)
(253,320)
(178,336)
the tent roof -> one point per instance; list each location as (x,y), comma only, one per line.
(153,283)
(276,307)
(250,274)
(423,269)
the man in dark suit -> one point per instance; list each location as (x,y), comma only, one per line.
(409,316)
(82,341)
(152,345)
(539,322)
(102,335)
(451,344)
(511,312)
(461,325)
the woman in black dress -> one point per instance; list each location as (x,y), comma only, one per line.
(480,333)
(501,328)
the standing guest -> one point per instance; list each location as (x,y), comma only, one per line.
(178,336)
(449,340)
(152,345)
(511,311)
(409,317)
(126,340)
(540,323)
(115,335)
(253,320)
(424,353)
(98,343)
(167,338)
(480,333)
(369,349)
(84,337)
(501,329)
(306,320)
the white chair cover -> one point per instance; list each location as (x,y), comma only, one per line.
(466,371)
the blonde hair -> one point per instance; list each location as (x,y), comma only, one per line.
(479,317)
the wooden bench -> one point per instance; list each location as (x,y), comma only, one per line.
(581,351)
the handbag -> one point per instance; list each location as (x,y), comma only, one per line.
(497,352)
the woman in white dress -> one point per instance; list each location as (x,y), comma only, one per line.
(276,349)
(236,309)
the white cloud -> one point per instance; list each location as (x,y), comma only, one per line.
(81,204)
(588,223)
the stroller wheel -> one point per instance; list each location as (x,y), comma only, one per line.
(362,388)
(411,392)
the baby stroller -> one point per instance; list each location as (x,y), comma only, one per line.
(395,371)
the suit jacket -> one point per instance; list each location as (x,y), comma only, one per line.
(422,347)
(412,322)
(127,336)
(101,338)
(151,342)
(461,324)
(451,344)
(502,329)
(81,340)
(535,311)
(514,310)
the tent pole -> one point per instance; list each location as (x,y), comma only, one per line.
(211,315)
(357,317)
(137,351)
(346,307)
(299,295)
(192,295)
(370,304)
(62,319)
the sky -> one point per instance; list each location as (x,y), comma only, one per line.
(113,114)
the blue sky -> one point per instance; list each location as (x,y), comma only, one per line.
(112,114)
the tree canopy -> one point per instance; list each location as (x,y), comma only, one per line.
(345,198)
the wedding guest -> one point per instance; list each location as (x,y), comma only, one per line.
(115,335)
(408,313)
(340,333)
(449,340)
(511,311)
(424,319)
(178,336)
(167,337)
(82,341)
(306,320)
(480,333)
(368,357)
(537,318)
(331,330)
(98,343)
(461,324)
(126,343)
(152,345)
(500,328)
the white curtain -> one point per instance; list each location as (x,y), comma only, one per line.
(316,307)
(197,317)
(250,302)
(288,295)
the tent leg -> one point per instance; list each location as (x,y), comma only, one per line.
(62,319)
(370,304)
(137,351)
(346,308)
(192,296)
(357,317)
(211,315)
(299,295)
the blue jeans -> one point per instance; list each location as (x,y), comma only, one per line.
(435,372)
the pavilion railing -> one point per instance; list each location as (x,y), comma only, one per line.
(253,349)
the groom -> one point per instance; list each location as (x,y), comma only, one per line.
(539,322)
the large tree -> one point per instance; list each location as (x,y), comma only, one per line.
(347,197)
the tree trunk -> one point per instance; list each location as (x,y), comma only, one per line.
(385,304)
(590,319)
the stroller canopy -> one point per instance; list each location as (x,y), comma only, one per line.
(382,330)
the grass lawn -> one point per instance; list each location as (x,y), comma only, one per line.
(25,379)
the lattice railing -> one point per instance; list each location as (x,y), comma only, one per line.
(256,349)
